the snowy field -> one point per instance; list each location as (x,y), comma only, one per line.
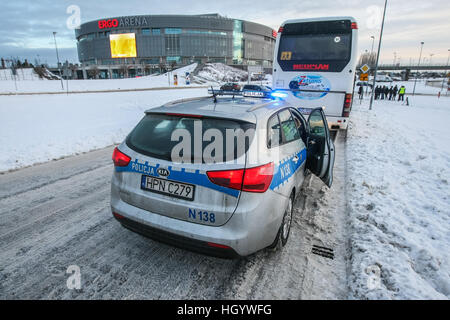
(398,161)
(39,128)
(33,84)
(421,87)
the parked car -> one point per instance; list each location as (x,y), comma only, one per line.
(256,90)
(230,86)
(233,206)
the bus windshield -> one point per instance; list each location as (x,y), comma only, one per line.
(304,48)
(316,46)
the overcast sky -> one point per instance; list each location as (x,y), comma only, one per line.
(26,26)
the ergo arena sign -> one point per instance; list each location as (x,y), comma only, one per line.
(122,22)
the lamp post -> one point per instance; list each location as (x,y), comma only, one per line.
(418,64)
(371,50)
(446,70)
(378,56)
(57,58)
(373,41)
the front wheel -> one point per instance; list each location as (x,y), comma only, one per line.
(285,228)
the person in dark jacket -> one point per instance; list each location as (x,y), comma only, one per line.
(360,92)
(394,93)
(391,92)
(377,92)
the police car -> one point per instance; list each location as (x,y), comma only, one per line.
(218,175)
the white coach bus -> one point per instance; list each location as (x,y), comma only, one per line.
(314,66)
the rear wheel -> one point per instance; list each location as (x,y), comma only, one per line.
(285,228)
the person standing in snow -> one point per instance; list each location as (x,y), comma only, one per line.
(401,93)
(360,92)
(394,93)
(391,92)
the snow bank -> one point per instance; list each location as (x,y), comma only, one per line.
(219,73)
(26,74)
(399,199)
(421,86)
(38,128)
(34,85)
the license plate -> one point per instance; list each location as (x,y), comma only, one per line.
(168,187)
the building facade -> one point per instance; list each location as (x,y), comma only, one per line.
(163,41)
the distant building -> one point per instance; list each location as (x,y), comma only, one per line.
(145,44)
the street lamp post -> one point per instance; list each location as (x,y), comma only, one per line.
(418,65)
(373,41)
(57,57)
(378,56)
(446,70)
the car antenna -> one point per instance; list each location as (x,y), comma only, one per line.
(214,94)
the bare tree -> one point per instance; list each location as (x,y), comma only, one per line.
(369,59)
(123,70)
(93,72)
(146,68)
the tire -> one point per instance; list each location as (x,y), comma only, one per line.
(285,228)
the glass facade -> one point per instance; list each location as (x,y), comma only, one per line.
(172,31)
(238,39)
(179,39)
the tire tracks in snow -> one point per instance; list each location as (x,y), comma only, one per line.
(62,217)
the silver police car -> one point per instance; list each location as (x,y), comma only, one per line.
(218,175)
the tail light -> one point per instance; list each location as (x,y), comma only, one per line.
(347,105)
(117,216)
(354,25)
(280,30)
(120,159)
(229,178)
(258,179)
(250,180)
(216,245)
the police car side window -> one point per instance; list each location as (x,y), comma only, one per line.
(300,124)
(273,132)
(288,128)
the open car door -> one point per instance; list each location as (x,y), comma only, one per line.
(320,154)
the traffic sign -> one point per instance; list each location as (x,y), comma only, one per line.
(364,77)
(365,68)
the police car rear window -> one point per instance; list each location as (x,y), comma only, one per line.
(162,136)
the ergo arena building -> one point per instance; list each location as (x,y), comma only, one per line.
(146,44)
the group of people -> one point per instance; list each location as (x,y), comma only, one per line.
(386,93)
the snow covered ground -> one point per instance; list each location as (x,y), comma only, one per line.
(421,87)
(219,72)
(397,176)
(33,84)
(398,161)
(38,128)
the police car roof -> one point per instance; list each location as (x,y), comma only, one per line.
(242,108)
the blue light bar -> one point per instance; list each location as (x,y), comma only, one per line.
(279,94)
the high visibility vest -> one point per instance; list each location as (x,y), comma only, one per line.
(401,91)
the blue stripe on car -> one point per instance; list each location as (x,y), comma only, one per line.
(196,177)
(286,169)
